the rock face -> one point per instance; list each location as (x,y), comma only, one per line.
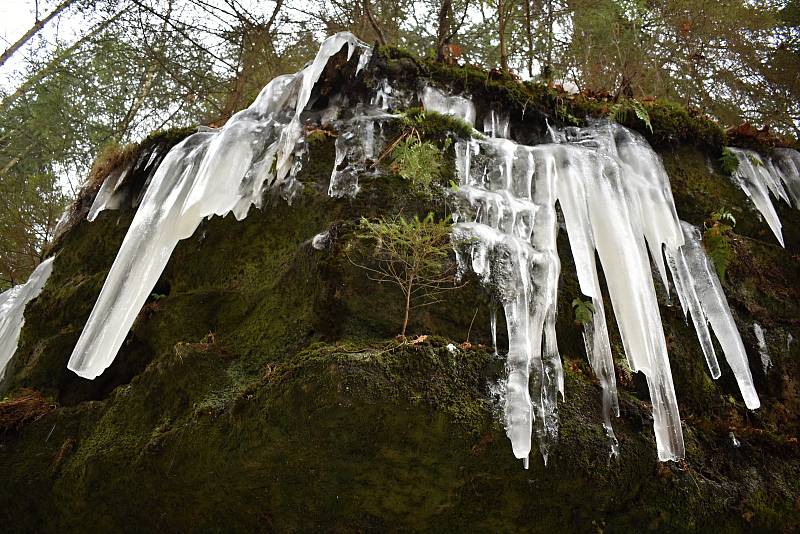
(261,388)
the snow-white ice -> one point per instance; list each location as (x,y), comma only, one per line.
(435,100)
(12,310)
(209,173)
(321,241)
(617,205)
(763,350)
(778,175)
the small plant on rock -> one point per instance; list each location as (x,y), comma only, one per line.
(716,238)
(419,162)
(728,162)
(619,110)
(412,254)
(584,310)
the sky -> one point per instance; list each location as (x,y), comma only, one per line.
(16,18)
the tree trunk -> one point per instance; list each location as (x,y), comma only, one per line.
(502,19)
(374,23)
(34,30)
(408,308)
(443,33)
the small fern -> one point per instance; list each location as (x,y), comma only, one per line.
(584,311)
(716,240)
(641,113)
(728,162)
(619,111)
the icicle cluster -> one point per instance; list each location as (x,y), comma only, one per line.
(209,173)
(611,188)
(12,310)
(617,203)
(761,177)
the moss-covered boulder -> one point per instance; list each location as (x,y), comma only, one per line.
(262,388)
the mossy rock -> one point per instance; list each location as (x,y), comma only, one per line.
(261,388)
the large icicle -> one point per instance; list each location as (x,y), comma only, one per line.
(785,163)
(618,205)
(12,310)
(209,173)
(701,295)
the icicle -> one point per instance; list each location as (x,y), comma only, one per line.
(12,310)
(107,197)
(763,351)
(493,326)
(209,173)
(785,163)
(617,203)
(458,106)
(698,286)
(356,147)
(495,124)
(755,178)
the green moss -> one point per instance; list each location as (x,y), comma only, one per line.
(435,126)
(671,123)
(169,137)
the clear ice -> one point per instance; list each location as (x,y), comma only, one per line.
(12,310)
(701,296)
(759,177)
(209,173)
(609,184)
(617,204)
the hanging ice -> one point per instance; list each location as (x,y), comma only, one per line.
(209,173)
(108,197)
(435,100)
(701,296)
(617,206)
(495,124)
(612,190)
(759,177)
(12,310)
(358,145)
(763,351)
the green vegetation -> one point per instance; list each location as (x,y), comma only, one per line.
(717,240)
(419,162)
(620,112)
(728,162)
(411,254)
(584,310)
(431,125)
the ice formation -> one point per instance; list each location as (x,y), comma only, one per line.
(435,100)
(610,186)
(701,296)
(778,175)
(12,310)
(616,201)
(209,173)
(763,351)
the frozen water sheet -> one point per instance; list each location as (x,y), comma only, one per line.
(209,173)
